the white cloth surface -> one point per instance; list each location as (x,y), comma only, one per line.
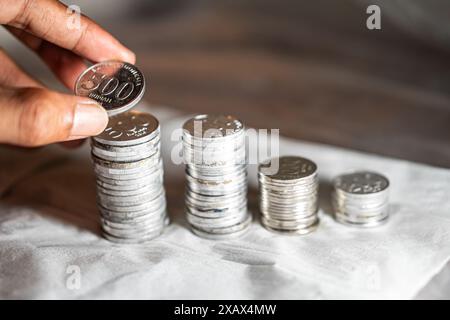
(48,222)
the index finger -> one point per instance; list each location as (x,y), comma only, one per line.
(52,21)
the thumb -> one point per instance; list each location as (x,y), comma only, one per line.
(35,116)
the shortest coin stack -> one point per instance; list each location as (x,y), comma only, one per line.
(288,195)
(361,199)
(128,166)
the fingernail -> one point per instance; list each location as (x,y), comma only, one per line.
(90,119)
(129,56)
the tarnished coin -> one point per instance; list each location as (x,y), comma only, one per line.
(117,86)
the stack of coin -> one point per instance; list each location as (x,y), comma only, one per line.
(361,199)
(126,156)
(288,195)
(128,165)
(216,172)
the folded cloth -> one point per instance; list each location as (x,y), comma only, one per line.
(50,244)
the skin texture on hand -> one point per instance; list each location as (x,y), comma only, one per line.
(31,115)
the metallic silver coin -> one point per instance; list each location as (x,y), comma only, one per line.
(208,127)
(221,222)
(300,231)
(123,157)
(126,178)
(288,196)
(361,199)
(219,237)
(361,182)
(132,185)
(144,226)
(134,240)
(117,86)
(365,224)
(132,148)
(289,168)
(134,215)
(129,128)
(134,219)
(131,204)
(216,191)
(215,212)
(129,171)
(131,241)
(148,188)
(242,225)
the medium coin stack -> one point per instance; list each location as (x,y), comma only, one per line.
(361,199)
(216,172)
(128,165)
(288,195)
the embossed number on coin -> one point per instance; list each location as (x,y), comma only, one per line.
(117,86)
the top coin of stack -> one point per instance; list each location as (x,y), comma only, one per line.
(288,194)
(361,199)
(117,86)
(216,194)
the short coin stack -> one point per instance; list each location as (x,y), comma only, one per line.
(216,193)
(361,199)
(288,195)
(128,166)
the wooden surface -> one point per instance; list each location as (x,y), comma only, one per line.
(310,68)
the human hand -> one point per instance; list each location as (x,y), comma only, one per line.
(30,114)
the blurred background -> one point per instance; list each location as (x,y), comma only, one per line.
(310,68)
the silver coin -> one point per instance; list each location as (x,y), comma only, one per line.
(361,199)
(129,128)
(134,214)
(117,86)
(129,171)
(208,127)
(141,239)
(300,231)
(362,182)
(288,196)
(289,168)
(216,190)
(365,224)
(244,224)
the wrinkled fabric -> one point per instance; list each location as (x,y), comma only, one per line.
(49,226)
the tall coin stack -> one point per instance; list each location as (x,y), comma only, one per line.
(288,195)
(361,199)
(216,172)
(128,165)
(126,156)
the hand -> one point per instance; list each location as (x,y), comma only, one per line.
(30,114)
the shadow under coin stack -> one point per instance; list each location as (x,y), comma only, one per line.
(361,199)
(216,172)
(288,195)
(128,165)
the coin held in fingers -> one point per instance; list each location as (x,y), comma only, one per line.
(117,86)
